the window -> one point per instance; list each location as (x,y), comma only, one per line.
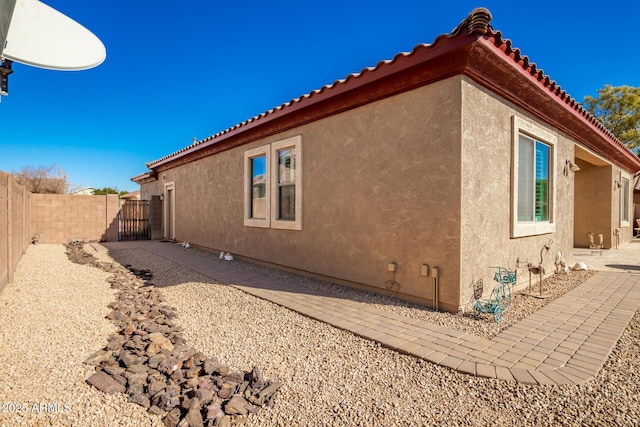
(273,185)
(286,186)
(256,189)
(532,180)
(624,202)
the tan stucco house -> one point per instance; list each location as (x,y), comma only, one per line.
(438,164)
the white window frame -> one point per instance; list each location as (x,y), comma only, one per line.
(295,143)
(249,221)
(272,187)
(624,197)
(532,228)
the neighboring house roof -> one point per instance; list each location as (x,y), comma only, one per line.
(473,49)
(84,191)
(134,195)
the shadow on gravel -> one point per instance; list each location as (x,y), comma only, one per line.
(244,273)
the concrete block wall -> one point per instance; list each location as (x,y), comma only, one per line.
(15,226)
(55,218)
(59,218)
(4,230)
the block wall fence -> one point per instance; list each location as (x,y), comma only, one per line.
(53,218)
(15,226)
(58,218)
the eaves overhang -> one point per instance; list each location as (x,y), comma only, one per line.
(473,49)
(499,67)
(145,178)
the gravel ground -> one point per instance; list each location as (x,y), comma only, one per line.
(522,303)
(52,318)
(333,378)
(482,325)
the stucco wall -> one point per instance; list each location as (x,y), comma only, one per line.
(155,211)
(150,189)
(486,193)
(424,177)
(593,203)
(598,204)
(381,183)
(59,218)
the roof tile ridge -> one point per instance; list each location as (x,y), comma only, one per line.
(477,22)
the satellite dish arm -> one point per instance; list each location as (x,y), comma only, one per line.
(5,70)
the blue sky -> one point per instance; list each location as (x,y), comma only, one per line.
(179,70)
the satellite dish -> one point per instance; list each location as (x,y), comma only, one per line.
(6,12)
(40,36)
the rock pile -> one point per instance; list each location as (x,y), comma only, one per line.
(150,361)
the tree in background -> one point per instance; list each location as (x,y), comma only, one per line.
(618,108)
(43,179)
(108,190)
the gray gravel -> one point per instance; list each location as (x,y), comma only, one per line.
(332,378)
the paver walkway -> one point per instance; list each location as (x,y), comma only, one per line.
(565,342)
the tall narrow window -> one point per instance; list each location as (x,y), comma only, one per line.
(287,184)
(256,187)
(542,182)
(525,179)
(533,180)
(259,187)
(286,202)
(624,202)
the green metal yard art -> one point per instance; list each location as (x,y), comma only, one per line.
(500,298)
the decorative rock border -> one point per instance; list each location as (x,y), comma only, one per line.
(149,360)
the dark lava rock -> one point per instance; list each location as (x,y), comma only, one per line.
(150,360)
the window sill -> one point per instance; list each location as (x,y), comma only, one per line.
(525,229)
(253,222)
(286,225)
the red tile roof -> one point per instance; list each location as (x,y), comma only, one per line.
(473,48)
(621,153)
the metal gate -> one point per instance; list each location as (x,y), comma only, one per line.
(133,220)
